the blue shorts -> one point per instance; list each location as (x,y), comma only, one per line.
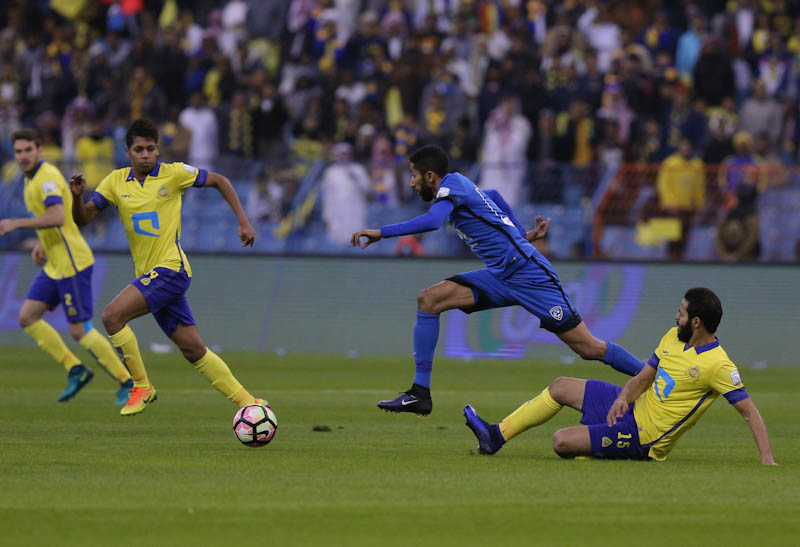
(620,441)
(534,287)
(75,293)
(165,293)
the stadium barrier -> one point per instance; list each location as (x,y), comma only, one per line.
(602,212)
(366,306)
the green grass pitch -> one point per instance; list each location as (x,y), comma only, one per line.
(79,474)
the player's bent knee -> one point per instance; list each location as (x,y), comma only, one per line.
(112,321)
(558,386)
(26,319)
(426,301)
(193,353)
(562,444)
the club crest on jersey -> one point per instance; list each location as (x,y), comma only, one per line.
(694,372)
(606,442)
(163,192)
(557,313)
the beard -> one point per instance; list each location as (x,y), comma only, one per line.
(685,332)
(426,193)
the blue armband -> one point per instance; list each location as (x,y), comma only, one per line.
(431,220)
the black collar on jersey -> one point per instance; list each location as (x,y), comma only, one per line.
(706,347)
(36,170)
(153,173)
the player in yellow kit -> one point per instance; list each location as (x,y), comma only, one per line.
(644,419)
(148,196)
(67,275)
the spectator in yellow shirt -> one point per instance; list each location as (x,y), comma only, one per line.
(681,191)
(95,153)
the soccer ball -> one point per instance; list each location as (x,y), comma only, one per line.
(255,425)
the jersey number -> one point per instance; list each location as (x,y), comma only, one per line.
(139,220)
(669,383)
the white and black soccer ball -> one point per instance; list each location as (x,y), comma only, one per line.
(255,425)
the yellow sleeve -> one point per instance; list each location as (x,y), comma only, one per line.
(726,378)
(106,189)
(186,176)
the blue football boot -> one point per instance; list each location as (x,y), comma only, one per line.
(124,392)
(417,400)
(489,438)
(77,377)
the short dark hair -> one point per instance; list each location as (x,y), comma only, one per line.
(430,158)
(141,128)
(703,303)
(27,134)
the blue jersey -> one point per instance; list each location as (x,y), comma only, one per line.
(484,226)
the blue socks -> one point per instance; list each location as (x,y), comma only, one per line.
(622,360)
(426,334)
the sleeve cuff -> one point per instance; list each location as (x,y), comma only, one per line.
(736,395)
(53,200)
(202,177)
(99,200)
(653,361)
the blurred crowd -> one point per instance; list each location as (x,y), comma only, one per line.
(501,84)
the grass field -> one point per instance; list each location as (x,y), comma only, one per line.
(78,474)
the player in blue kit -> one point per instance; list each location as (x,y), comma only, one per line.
(515,274)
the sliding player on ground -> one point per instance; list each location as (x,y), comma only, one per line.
(644,419)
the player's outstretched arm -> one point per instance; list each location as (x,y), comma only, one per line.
(246,232)
(53,216)
(752,416)
(539,231)
(631,391)
(83,213)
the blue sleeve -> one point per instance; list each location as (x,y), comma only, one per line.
(495,196)
(654,361)
(53,200)
(431,220)
(99,200)
(202,177)
(736,395)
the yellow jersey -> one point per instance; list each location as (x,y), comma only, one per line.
(688,380)
(150,210)
(682,183)
(67,251)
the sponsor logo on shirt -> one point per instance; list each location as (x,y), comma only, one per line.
(443,192)
(189,168)
(49,187)
(737,381)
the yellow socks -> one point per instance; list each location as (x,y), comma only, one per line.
(127,345)
(101,350)
(532,413)
(217,372)
(50,341)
